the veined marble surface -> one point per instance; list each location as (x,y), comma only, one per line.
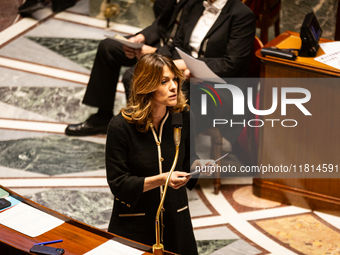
(294,12)
(207,247)
(220,240)
(52,155)
(36,53)
(88,206)
(62,104)
(197,207)
(16,78)
(81,51)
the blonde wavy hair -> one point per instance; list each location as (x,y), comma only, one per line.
(147,78)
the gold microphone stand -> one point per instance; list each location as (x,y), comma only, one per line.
(158,248)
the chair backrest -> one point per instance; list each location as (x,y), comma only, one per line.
(255,5)
(264,7)
(254,70)
(267,13)
(248,138)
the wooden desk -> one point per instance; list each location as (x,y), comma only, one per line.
(315,140)
(78,238)
(302,67)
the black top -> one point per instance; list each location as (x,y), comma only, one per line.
(130,157)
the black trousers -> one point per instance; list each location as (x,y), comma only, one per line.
(101,89)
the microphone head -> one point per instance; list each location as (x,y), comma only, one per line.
(177,120)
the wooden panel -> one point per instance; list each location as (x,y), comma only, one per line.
(315,140)
(286,191)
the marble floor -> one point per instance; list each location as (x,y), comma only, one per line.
(45,62)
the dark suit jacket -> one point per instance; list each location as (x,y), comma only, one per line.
(161,28)
(228,42)
(130,157)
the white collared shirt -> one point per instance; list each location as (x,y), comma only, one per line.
(203,25)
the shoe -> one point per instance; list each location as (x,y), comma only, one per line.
(31,6)
(92,126)
(61,5)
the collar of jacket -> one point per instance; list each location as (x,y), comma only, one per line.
(221,18)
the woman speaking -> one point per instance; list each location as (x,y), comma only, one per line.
(140,151)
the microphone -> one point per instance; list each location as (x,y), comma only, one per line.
(177,123)
(177,120)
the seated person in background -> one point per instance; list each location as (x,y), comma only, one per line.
(111,55)
(138,138)
(218,32)
(221,34)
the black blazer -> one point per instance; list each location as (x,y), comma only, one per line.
(131,156)
(162,27)
(228,42)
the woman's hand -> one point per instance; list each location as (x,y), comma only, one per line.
(199,165)
(178,179)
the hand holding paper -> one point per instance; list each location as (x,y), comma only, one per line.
(198,68)
(199,168)
(123,40)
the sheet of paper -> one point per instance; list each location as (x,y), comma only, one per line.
(198,68)
(330,47)
(125,41)
(113,247)
(28,220)
(332,59)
